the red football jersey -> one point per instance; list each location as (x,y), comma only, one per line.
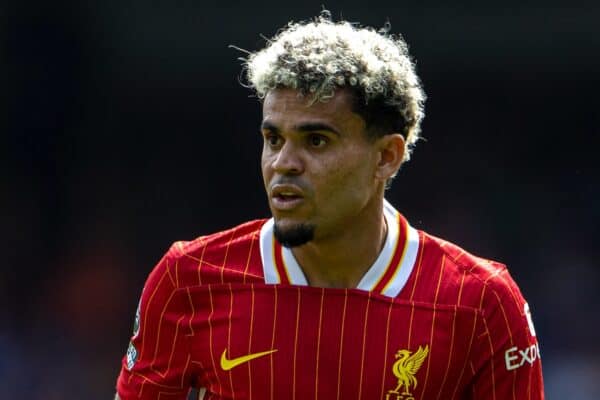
(232,313)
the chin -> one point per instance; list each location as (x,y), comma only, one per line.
(293,234)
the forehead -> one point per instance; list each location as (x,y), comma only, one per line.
(286,108)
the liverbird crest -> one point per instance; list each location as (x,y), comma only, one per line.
(405,368)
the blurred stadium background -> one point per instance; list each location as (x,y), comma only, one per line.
(124,128)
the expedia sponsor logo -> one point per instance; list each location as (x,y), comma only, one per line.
(516,358)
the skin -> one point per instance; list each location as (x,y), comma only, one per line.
(341,176)
(322,151)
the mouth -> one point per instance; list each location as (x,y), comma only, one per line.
(285,197)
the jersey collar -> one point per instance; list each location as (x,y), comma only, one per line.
(386,276)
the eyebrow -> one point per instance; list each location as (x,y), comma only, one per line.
(305,127)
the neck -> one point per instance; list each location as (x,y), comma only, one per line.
(342,261)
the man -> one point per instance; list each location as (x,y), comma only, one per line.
(336,296)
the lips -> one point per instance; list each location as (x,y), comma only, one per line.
(286,197)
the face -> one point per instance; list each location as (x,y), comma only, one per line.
(318,165)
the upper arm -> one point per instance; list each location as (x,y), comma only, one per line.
(157,362)
(507,362)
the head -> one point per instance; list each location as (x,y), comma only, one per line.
(342,108)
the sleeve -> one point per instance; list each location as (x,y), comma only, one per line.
(506,362)
(157,362)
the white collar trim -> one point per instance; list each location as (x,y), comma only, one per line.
(390,265)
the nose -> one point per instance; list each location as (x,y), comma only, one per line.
(288,160)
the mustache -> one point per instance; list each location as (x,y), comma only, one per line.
(288,180)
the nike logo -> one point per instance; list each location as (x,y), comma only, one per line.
(227,364)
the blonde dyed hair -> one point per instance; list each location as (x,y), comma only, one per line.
(319,56)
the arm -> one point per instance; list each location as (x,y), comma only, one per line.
(156,364)
(506,363)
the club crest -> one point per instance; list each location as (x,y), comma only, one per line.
(405,368)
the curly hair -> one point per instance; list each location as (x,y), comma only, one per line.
(317,57)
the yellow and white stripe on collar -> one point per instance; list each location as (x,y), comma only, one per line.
(388,274)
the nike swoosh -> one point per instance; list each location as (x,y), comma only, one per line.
(227,364)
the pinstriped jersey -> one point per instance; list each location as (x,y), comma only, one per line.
(232,313)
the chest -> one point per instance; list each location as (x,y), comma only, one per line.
(275,342)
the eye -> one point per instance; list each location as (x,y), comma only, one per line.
(317,141)
(272,139)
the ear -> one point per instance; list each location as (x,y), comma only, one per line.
(391,155)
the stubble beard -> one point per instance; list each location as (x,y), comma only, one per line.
(295,235)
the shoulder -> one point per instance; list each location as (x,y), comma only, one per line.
(219,241)
(467,279)
(234,251)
